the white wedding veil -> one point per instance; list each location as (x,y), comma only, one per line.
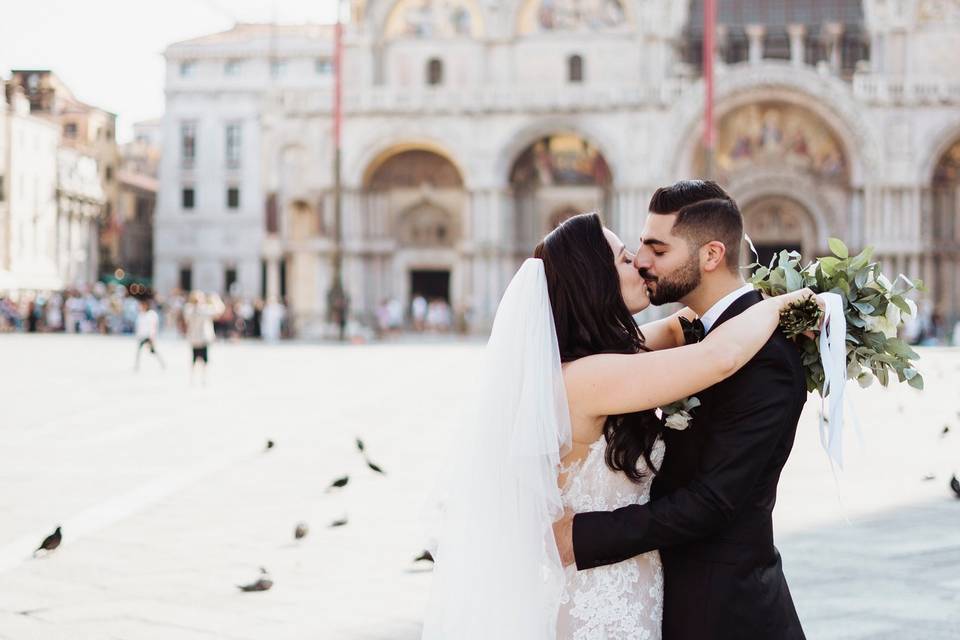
(497,572)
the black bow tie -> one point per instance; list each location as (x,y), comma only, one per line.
(693,332)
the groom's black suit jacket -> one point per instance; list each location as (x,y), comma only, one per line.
(710,512)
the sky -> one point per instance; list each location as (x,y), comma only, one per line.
(109,52)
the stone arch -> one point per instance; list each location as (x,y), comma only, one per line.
(361,168)
(798,189)
(380,18)
(427,224)
(936,144)
(828,99)
(520,139)
(529,17)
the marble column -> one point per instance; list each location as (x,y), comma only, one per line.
(833,31)
(755,33)
(796,33)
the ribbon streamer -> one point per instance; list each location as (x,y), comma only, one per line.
(833,357)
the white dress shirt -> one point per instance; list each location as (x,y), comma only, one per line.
(713,313)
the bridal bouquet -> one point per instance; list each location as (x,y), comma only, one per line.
(874,309)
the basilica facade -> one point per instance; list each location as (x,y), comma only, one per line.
(473,127)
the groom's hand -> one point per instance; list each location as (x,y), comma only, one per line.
(563,532)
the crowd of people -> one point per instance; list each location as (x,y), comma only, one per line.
(112,309)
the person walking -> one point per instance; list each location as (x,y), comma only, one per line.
(198,315)
(146,328)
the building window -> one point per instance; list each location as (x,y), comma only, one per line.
(70,130)
(143,210)
(188,143)
(323,66)
(233,144)
(229,280)
(188,197)
(108,173)
(776,44)
(2,196)
(575,68)
(278,68)
(233,197)
(186,279)
(435,72)
(232,67)
(187,68)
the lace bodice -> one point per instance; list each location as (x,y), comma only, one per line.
(622,601)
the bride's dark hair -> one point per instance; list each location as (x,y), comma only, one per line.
(591,317)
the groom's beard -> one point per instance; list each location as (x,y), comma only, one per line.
(677,285)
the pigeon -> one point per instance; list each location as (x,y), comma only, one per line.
(376,468)
(339,523)
(262,584)
(955,485)
(426,555)
(51,542)
(339,483)
(270,445)
(301,531)
(360,445)
(929,476)
(946,430)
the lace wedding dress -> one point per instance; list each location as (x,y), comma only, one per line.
(622,601)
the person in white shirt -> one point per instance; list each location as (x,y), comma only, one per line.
(147,326)
(198,316)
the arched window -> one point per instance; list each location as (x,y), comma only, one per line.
(575,68)
(435,72)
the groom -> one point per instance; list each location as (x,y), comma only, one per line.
(711,503)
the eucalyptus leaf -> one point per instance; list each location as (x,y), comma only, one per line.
(838,248)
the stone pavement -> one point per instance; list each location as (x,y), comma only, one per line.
(167,499)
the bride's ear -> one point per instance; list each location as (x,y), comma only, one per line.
(713,255)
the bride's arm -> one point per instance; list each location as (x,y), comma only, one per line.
(613,384)
(666,333)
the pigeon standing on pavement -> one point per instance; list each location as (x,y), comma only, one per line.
(262,584)
(339,523)
(51,542)
(375,467)
(946,430)
(955,486)
(301,531)
(360,445)
(339,483)
(270,445)
(426,555)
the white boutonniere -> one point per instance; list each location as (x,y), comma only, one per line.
(677,415)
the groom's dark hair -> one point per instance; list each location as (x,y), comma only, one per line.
(705,212)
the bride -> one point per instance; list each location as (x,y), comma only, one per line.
(566,419)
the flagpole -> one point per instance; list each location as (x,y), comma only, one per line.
(337,298)
(709,32)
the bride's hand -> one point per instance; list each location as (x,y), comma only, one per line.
(563,534)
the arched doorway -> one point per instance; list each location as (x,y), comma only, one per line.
(555,177)
(777,223)
(944,231)
(417,197)
(790,174)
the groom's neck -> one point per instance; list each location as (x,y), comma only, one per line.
(713,288)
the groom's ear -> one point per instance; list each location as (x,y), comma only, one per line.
(713,256)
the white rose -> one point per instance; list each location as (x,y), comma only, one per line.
(881,324)
(678,421)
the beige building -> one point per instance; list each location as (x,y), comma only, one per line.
(137,183)
(472,127)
